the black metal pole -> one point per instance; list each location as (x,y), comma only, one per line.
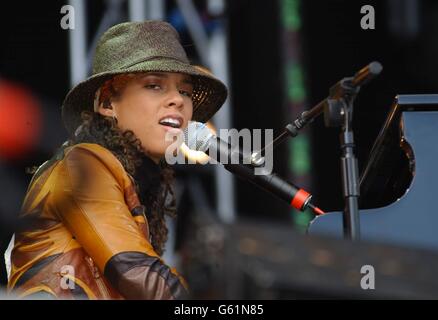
(350,184)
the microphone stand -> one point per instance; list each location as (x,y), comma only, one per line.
(338,112)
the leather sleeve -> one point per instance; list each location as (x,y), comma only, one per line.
(89,195)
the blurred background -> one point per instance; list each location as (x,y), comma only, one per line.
(278,58)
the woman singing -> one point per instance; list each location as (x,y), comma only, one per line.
(96,211)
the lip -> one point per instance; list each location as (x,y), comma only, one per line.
(172,130)
(173,116)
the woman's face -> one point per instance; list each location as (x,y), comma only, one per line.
(152,104)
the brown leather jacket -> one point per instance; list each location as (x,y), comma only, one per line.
(89,236)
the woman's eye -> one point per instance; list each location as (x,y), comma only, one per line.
(152,86)
(186,93)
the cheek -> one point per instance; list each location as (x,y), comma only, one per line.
(150,134)
(188,113)
(135,119)
(144,125)
(138,115)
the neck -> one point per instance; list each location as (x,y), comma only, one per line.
(152,157)
(148,177)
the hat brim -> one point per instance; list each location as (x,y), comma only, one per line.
(209,93)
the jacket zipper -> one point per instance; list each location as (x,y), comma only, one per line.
(100,283)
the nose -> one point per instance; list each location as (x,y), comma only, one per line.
(175,99)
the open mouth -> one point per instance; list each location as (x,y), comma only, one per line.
(171,121)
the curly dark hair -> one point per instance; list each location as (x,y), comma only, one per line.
(159,198)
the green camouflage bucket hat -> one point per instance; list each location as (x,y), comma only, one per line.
(150,46)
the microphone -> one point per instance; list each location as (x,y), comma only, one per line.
(367,73)
(199,137)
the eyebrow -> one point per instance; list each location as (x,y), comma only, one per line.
(187,79)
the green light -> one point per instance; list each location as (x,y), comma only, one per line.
(291,14)
(299,150)
(295,83)
(296,94)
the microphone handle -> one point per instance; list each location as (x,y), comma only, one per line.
(295,197)
(222,152)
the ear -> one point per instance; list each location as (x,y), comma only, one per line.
(107,111)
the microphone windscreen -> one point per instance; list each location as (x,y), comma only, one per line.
(197,136)
(375,67)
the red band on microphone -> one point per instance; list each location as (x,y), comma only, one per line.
(300,199)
